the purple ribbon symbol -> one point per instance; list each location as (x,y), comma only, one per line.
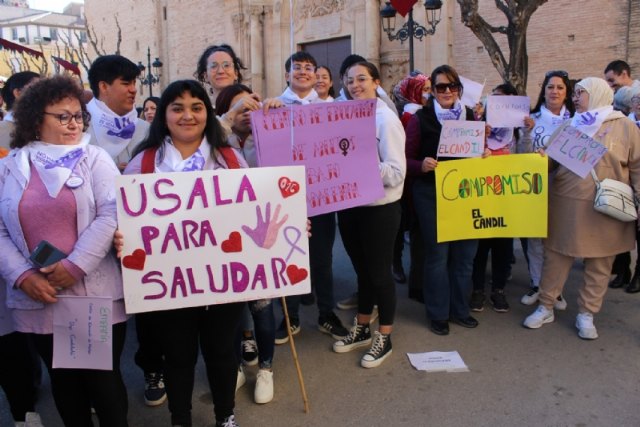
(297,235)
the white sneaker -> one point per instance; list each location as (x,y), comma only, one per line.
(560,304)
(241,378)
(538,318)
(586,329)
(531,297)
(264,387)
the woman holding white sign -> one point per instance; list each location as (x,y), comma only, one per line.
(448,266)
(368,232)
(576,229)
(186,136)
(58,216)
(554,107)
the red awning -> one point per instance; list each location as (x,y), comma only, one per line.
(14,47)
(69,66)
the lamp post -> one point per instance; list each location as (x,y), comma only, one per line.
(153,75)
(411,29)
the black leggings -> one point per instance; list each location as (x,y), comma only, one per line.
(16,374)
(75,391)
(368,233)
(213,330)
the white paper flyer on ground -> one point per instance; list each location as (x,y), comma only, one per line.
(438,361)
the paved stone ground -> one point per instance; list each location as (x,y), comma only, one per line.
(518,377)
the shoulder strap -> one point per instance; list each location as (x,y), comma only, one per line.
(149,160)
(229,157)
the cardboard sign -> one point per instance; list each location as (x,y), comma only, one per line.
(82,333)
(461,138)
(504,111)
(575,150)
(213,237)
(472,92)
(335,141)
(499,196)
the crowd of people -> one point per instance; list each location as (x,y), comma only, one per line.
(63,148)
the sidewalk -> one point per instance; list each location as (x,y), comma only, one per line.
(518,377)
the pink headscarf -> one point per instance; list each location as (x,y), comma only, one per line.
(409,90)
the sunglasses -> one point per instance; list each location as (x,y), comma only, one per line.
(442,87)
(557,73)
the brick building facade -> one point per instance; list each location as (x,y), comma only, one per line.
(579,37)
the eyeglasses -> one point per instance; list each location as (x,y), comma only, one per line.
(557,73)
(307,68)
(226,66)
(442,87)
(577,92)
(65,118)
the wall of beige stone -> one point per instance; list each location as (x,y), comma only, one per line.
(581,39)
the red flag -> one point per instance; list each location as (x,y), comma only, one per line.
(69,66)
(14,47)
(403,6)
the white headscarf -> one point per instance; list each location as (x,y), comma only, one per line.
(599,108)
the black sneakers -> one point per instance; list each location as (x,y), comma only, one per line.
(359,336)
(331,324)
(477,301)
(499,301)
(249,351)
(154,392)
(380,350)
(281,333)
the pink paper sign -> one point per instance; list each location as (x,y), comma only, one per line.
(336,141)
(212,237)
(576,151)
(82,333)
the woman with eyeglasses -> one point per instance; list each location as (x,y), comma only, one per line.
(448,266)
(553,107)
(576,230)
(57,188)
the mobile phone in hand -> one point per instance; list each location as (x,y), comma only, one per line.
(46,254)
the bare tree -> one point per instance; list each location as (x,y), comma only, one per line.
(518,14)
(98,43)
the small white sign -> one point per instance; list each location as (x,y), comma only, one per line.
(438,361)
(472,92)
(507,111)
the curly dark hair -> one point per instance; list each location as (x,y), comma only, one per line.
(159,129)
(28,111)
(201,68)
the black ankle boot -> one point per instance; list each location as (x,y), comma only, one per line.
(621,280)
(634,285)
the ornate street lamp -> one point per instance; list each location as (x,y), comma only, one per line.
(152,77)
(411,29)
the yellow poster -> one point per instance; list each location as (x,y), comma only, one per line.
(499,196)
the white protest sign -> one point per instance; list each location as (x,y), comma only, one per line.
(82,333)
(461,138)
(438,361)
(506,111)
(212,237)
(575,150)
(471,93)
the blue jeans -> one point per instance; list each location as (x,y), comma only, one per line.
(323,235)
(265,330)
(448,266)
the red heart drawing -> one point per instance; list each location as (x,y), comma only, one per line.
(233,243)
(288,187)
(135,261)
(295,274)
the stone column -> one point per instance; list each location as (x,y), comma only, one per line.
(256,34)
(372,25)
